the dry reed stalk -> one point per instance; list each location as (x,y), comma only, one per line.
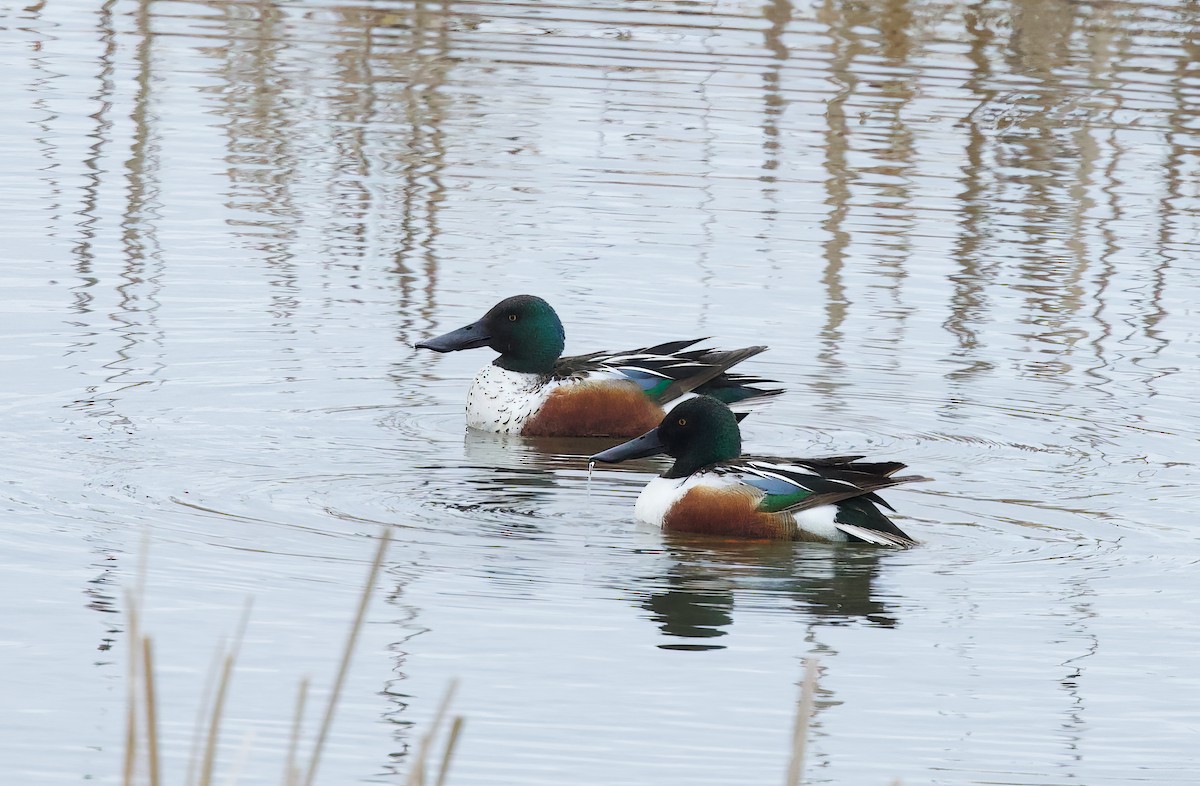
(344,666)
(134,602)
(291,773)
(208,764)
(209,761)
(804,709)
(206,698)
(455,730)
(141,672)
(151,712)
(131,741)
(416,775)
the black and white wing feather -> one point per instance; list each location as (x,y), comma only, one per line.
(672,369)
(845,482)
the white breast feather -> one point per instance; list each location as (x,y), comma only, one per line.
(501,400)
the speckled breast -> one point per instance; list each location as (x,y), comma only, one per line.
(501,400)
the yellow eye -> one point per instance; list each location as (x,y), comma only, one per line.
(682,421)
(512,317)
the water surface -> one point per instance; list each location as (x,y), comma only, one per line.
(967,231)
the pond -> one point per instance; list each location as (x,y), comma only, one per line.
(967,231)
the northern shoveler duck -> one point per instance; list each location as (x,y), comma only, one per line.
(713,489)
(532,390)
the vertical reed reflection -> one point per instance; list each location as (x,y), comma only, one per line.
(1106,262)
(843,47)
(1080,600)
(392,67)
(883,133)
(1041,153)
(969,299)
(1101,54)
(355,102)
(142,265)
(778,14)
(421,68)
(263,152)
(395,689)
(897,156)
(83,250)
(1176,209)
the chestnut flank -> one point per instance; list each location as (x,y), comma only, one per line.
(730,512)
(595,409)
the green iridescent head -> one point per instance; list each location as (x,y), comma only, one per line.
(699,432)
(524,329)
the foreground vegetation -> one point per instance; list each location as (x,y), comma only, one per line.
(143,764)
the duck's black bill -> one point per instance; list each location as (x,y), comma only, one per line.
(469,337)
(648,444)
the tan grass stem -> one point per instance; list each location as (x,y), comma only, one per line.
(206,698)
(134,601)
(208,763)
(131,695)
(416,775)
(151,712)
(343,668)
(214,724)
(804,710)
(451,742)
(290,771)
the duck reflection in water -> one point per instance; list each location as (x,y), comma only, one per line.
(512,452)
(827,585)
(511,476)
(504,484)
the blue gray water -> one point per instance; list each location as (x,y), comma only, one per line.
(968,232)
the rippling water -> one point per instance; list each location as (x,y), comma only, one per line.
(967,231)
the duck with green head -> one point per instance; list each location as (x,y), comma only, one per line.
(533,390)
(712,489)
